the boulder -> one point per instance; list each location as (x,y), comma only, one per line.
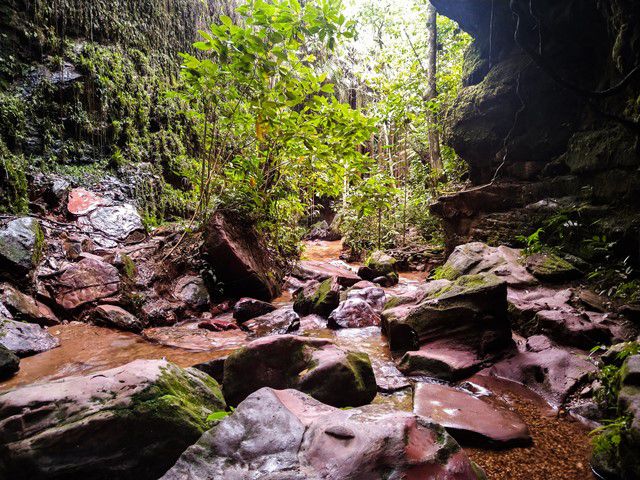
(240,259)
(468,419)
(323,231)
(192,291)
(26,308)
(552,372)
(571,329)
(25,339)
(130,422)
(353,313)
(116,317)
(315,366)
(374,296)
(549,267)
(87,281)
(441,362)
(9,363)
(118,223)
(468,314)
(380,268)
(475,258)
(317,298)
(281,321)
(288,435)
(81,202)
(321,271)
(21,247)
(248,308)
(190,337)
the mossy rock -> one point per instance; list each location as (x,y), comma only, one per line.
(22,244)
(381,264)
(318,298)
(549,267)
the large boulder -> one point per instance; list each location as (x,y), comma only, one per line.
(87,281)
(549,267)
(21,247)
(82,202)
(130,422)
(120,222)
(192,291)
(379,266)
(9,363)
(288,435)
(470,420)
(315,366)
(317,298)
(25,308)
(323,231)
(280,321)
(354,313)
(321,271)
(25,339)
(240,259)
(441,362)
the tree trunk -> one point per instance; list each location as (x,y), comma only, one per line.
(432,55)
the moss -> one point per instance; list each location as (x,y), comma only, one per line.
(13,182)
(38,246)
(445,272)
(466,284)
(129,267)
(360,364)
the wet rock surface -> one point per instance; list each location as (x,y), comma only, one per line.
(354,313)
(132,422)
(116,317)
(25,308)
(248,308)
(21,247)
(301,438)
(317,298)
(321,271)
(25,339)
(9,363)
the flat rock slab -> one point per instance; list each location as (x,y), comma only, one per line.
(440,361)
(196,339)
(25,339)
(118,222)
(320,271)
(285,434)
(468,419)
(81,202)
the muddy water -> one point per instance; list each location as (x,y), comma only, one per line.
(560,445)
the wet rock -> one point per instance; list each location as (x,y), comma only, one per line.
(281,321)
(592,301)
(442,362)
(240,259)
(84,282)
(302,439)
(248,308)
(374,296)
(469,314)
(314,366)
(9,363)
(192,291)
(363,284)
(26,308)
(25,339)
(549,267)
(468,419)
(214,368)
(552,372)
(323,231)
(475,258)
(196,339)
(130,422)
(571,329)
(525,304)
(216,325)
(82,202)
(380,268)
(21,247)
(321,271)
(353,313)
(119,222)
(630,373)
(116,317)
(318,298)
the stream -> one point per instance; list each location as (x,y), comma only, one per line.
(560,449)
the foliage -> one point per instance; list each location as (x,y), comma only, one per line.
(533,243)
(607,438)
(609,376)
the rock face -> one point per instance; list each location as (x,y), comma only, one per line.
(9,363)
(536,119)
(21,247)
(239,258)
(470,420)
(314,366)
(81,202)
(323,231)
(318,298)
(25,339)
(88,280)
(288,435)
(131,422)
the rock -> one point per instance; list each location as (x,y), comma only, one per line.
(119,222)
(216,325)
(26,308)
(468,419)
(248,308)
(549,267)
(9,363)
(374,296)
(553,373)
(240,259)
(475,258)
(363,284)
(321,271)
(84,282)
(314,366)
(281,321)
(317,298)
(443,363)
(380,268)
(192,291)
(116,317)
(81,202)
(630,373)
(469,314)
(594,302)
(25,339)
(21,247)
(130,422)
(323,231)
(573,330)
(214,368)
(525,304)
(288,435)
(353,313)
(196,339)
